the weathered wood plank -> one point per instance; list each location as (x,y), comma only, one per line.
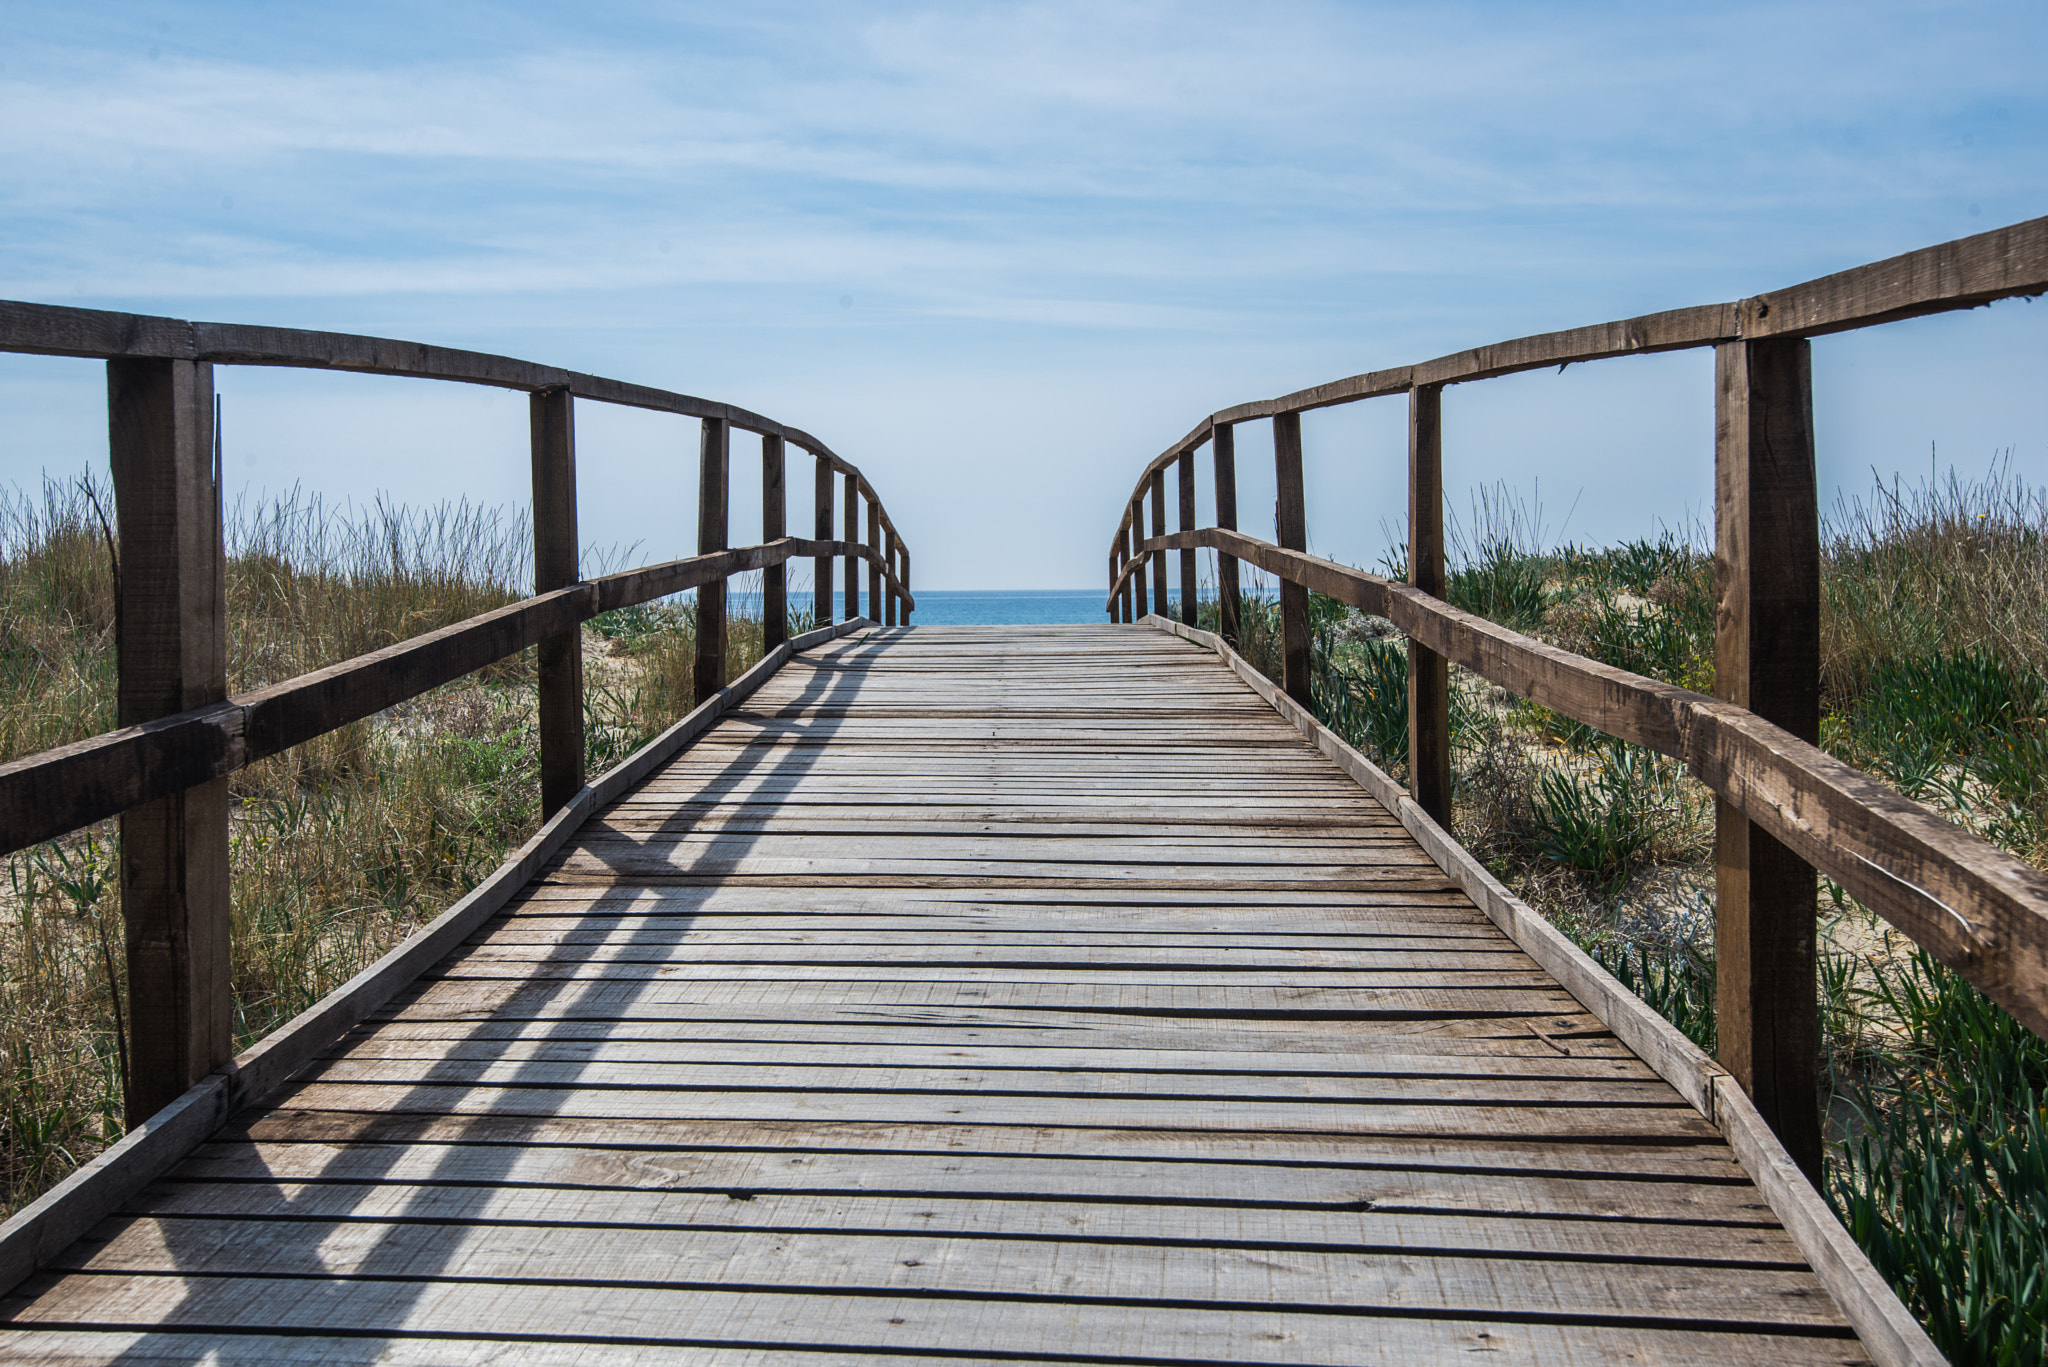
(1767,659)
(171,630)
(556,555)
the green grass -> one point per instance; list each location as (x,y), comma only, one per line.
(340,847)
(1935,678)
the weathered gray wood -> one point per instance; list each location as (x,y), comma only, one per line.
(1136,568)
(43,1228)
(1978,909)
(852,609)
(1229,604)
(774,526)
(876,608)
(1185,498)
(1886,1328)
(1429,674)
(172,640)
(713,509)
(1291,531)
(556,555)
(1767,659)
(821,530)
(903,568)
(1161,596)
(1967,273)
(888,558)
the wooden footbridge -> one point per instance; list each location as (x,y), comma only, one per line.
(979,995)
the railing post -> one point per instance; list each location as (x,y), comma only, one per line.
(713,469)
(1224,443)
(1190,585)
(874,543)
(1291,532)
(821,530)
(1116,594)
(1137,579)
(852,539)
(774,526)
(555,565)
(171,640)
(1767,659)
(1122,560)
(888,563)
(1429,674)
(903,568)
(1162,601)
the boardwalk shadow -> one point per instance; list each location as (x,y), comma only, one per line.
(447,1166)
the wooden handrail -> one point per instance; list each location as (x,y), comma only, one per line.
(1786,807)
(58,790)
(1964,274)
(163,770)
(1895,856)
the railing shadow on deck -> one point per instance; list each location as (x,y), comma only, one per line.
(1785,807)
(540,1012)
(164,771)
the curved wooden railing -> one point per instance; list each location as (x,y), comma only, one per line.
(1786,807)
(163,770)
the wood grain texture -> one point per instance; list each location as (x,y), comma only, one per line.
(1290,516)
(39,1230)
(1161,596)
(854,1089)
(822,510)
(714,508)
(171,636)
(1429,674)
(774,526)
(1967,273)
(1978,909)
(556,556)
(1886,1327)
(1767,659)
(1184,504)
(1224,461)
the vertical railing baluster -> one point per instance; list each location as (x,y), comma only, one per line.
(821,530)
(713,482)
(556,564)
(1767,659)
(1190,584)
(1139,603)
(171,647)
(1162,601)
(874,543)
(1290,512)
(1224,442)
(1429,674)
(1124,559)
(774,526)
(887,573)
(852,539)
(903,568)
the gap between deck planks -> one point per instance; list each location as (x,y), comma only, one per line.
(977,995)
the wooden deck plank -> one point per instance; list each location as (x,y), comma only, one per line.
(969,994)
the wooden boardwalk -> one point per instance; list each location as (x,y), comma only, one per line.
(972,995)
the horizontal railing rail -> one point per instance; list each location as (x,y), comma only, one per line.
(1892,854)
(1786,807)
(45,795)
(163,770)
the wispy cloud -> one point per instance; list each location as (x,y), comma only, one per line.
(1180,187)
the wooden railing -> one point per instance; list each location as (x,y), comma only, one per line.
(1785,807)
(164,771)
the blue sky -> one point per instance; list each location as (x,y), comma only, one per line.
(1000,255)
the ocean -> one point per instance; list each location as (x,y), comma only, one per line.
(973,607)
